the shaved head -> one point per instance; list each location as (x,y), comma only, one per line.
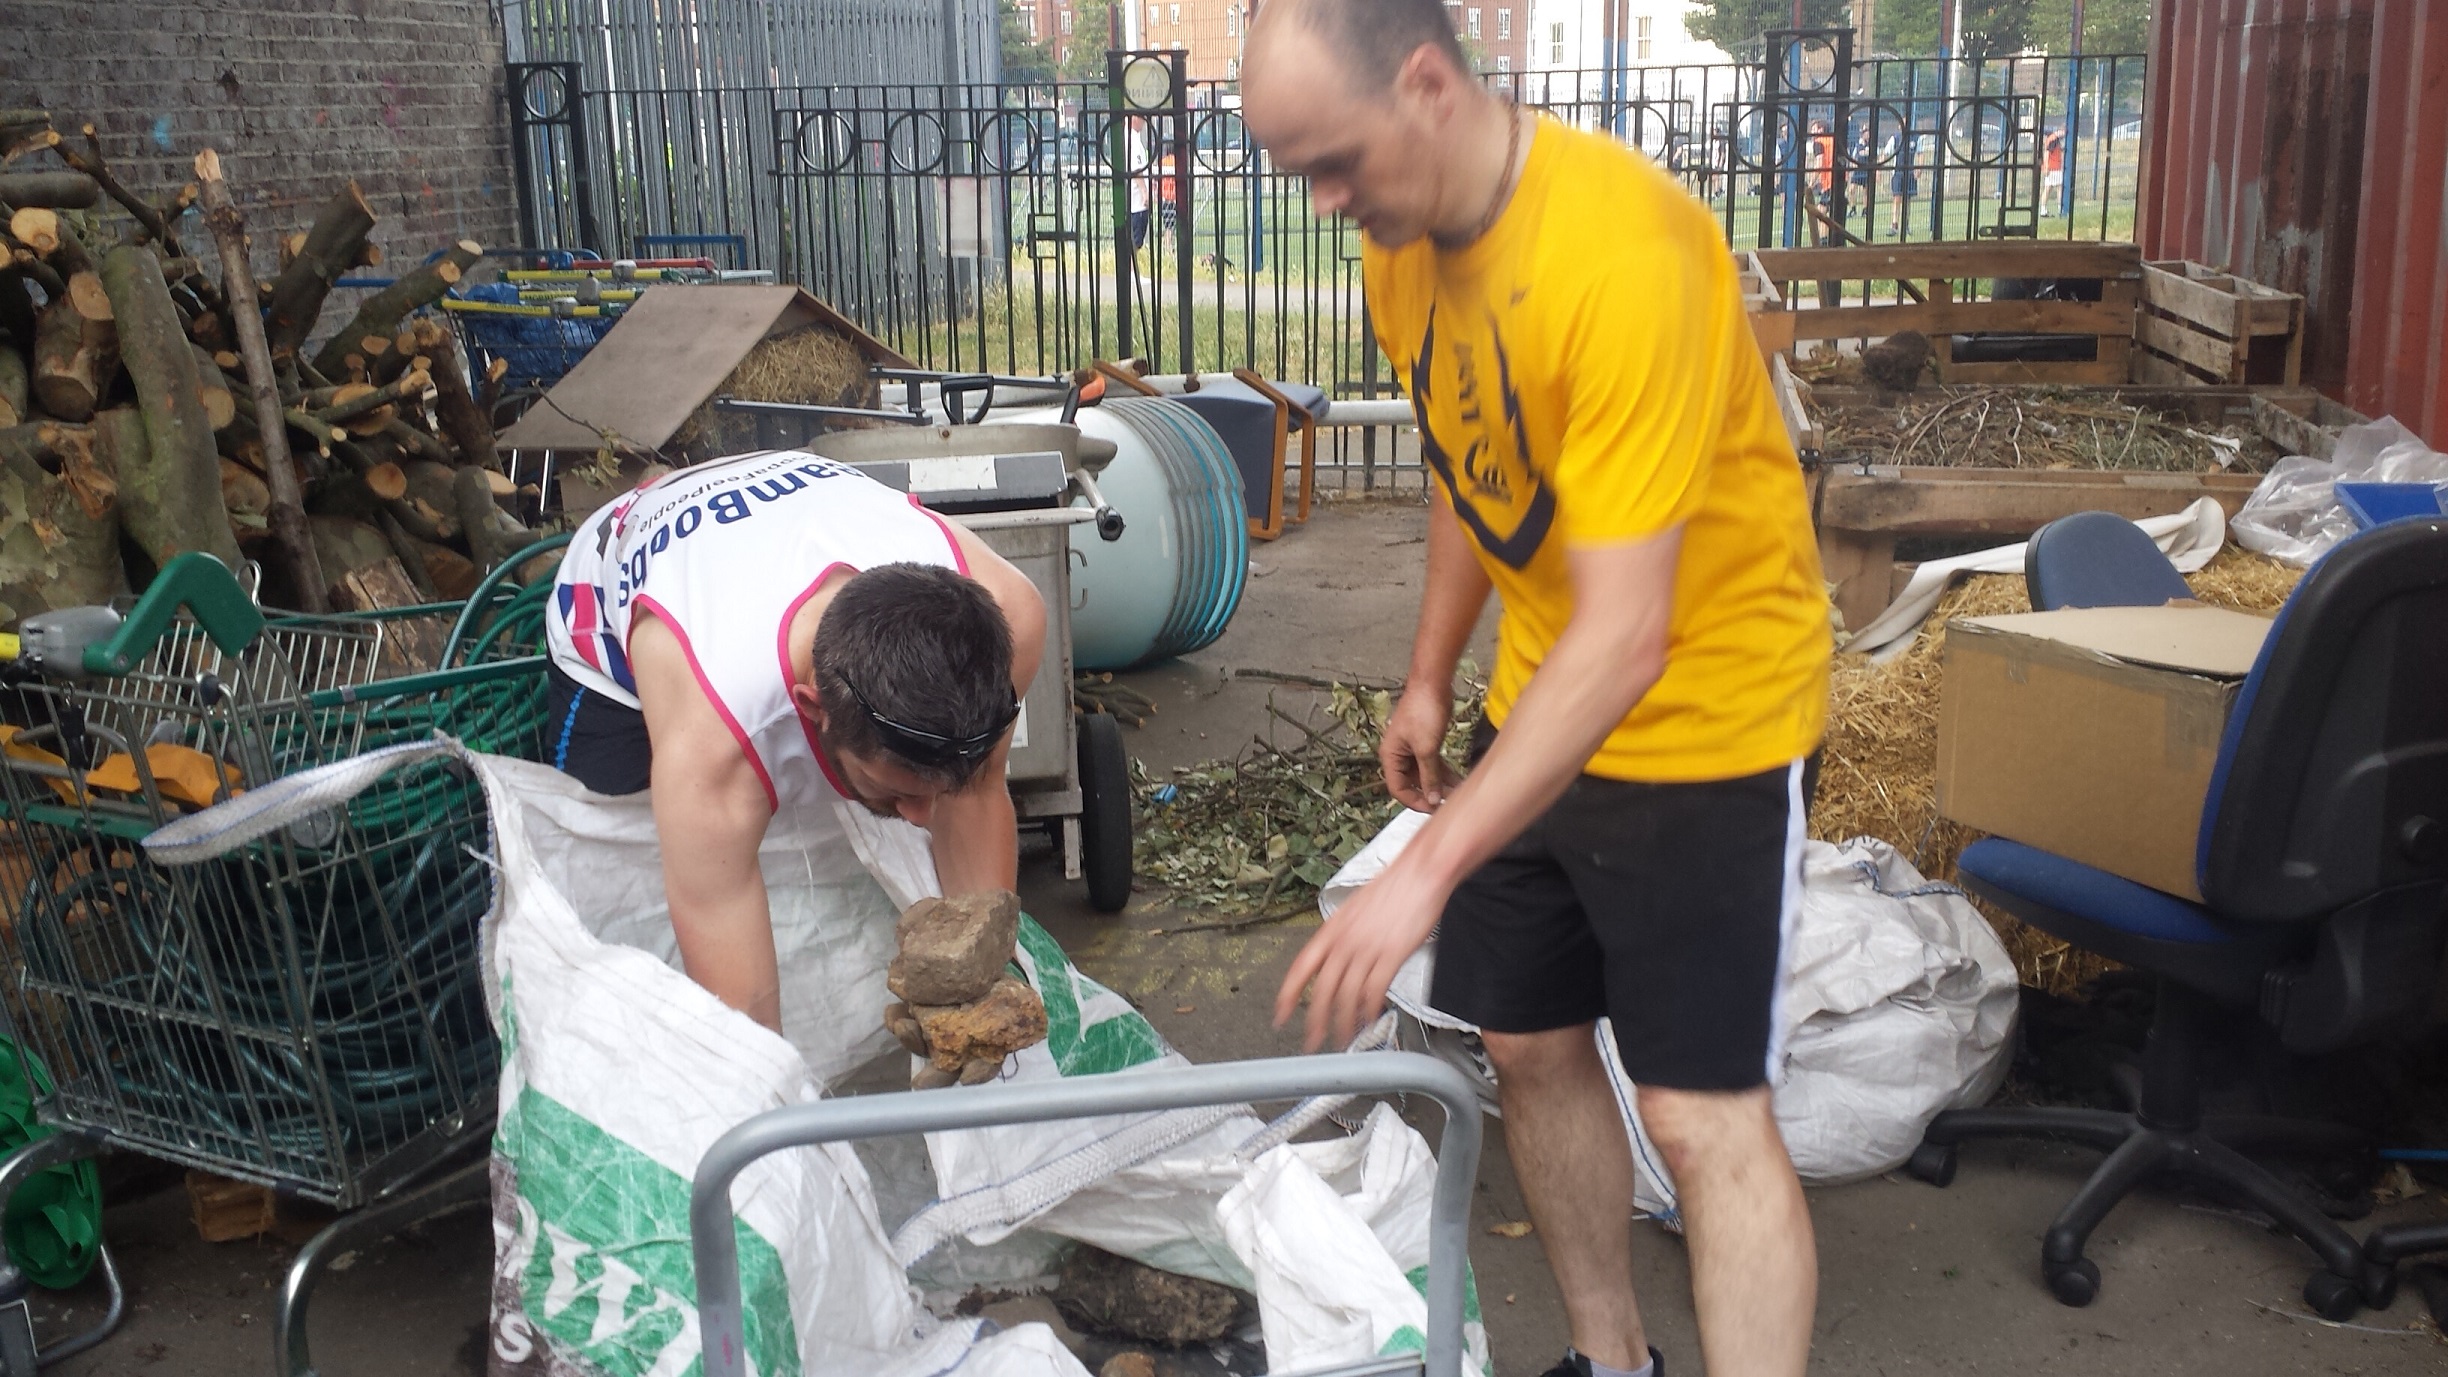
(1373,102)
(1372,39)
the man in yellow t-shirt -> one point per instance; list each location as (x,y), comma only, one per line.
(1611,465)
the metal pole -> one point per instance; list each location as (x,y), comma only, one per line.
(1118,147)
(716,1246)
(1184,226)
(2067,159)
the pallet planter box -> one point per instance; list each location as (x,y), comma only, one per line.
(2198,325)
(1929,272)
(1862,510)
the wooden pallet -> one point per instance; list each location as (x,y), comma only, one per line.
(2199,325)
(1864,509)
(1770,321)
(1928,273)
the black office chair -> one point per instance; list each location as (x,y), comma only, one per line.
(2097,559)
(2323,862)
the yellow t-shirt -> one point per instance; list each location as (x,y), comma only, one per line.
(1584,375)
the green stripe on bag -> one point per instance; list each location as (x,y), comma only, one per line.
(612,1279)
(1115,1043)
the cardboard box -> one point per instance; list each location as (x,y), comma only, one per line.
(2091,732)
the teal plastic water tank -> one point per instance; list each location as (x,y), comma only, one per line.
(1171,584)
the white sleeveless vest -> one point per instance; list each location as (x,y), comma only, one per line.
(724,555)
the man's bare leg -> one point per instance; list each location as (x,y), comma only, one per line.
(1755,1264)
(1575,1166)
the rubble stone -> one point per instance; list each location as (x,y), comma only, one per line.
(951,951)
(1113,1295)
(1008,1018)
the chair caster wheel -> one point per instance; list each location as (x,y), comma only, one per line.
(2379,1286)
(2332,1297)
(2075,1283)
(1934,1163)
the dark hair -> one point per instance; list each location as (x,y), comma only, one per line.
(928,647)
(1376,37)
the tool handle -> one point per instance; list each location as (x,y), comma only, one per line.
(194,581)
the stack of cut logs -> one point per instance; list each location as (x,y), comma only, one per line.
(175,401)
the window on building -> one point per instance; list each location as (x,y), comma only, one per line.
(1177,14)
(1232,21)
(1504,25)
(1153,12)
(1232,69)
(1474,23)
(1032,25)
(1503,63)
(1555,44)
(1066,21)
(1640,39)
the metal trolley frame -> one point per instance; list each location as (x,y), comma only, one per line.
(716,1245)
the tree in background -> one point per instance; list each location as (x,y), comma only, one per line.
(1991,28)
(1024,58)
(1909,28)
(1091,35)
(1736,25)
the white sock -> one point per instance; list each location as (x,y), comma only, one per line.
(1599,1369)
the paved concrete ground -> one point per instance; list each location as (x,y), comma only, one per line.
(1913,1279)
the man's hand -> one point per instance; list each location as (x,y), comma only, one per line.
(1354,957)
(1413,750)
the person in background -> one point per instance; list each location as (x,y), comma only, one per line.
(1821,164)
(1902,185)
(2052,173)
(1860,175)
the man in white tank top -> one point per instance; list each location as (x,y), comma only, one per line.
(778,632)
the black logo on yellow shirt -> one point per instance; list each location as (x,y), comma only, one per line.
(1494,486)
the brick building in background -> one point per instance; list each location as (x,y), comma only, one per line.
(299,96)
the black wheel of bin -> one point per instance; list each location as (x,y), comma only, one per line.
(1105,812)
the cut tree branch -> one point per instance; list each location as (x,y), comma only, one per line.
(285,516)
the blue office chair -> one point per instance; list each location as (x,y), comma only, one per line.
(2323,862)
(2097,559)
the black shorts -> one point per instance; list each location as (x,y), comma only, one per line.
(1661,906)
(593,739)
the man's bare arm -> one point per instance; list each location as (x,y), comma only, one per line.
(975,832)
(710,813)
(1456,592)
(1603,663)
(1609,655)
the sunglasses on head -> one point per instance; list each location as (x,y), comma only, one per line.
(932,749)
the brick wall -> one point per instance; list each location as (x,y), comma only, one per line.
(298,95)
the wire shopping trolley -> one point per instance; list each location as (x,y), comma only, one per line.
(306,1011)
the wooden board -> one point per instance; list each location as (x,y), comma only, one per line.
(664,360)
(2219,360)
(2092,373)
(1963,318)
(1868,262)
(1800,426)
(1914,500)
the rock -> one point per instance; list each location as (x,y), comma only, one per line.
(1010,1017)
(1895,363)
(951,951)
(1128,1365)
(903,1025)
(1115,1295)
(932,1077)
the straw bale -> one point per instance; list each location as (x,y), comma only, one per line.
(1879,774)
(815,365)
